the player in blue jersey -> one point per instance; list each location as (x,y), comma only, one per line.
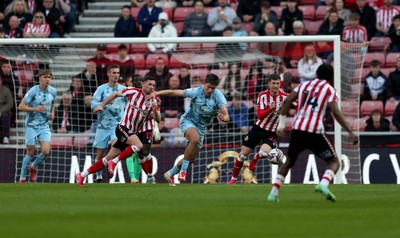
(108,118)
(38,102)
(206,101)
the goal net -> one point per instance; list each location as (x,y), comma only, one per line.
(79,66)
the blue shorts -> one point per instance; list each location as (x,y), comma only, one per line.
(103,136)
(42,134)
(185,124)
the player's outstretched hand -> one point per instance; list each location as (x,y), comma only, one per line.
(99,108)
(221,117)
(354,137)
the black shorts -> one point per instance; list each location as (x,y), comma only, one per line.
(122,134)
(146,137)
(317,143)
(257,135)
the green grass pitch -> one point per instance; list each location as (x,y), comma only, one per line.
(133,210)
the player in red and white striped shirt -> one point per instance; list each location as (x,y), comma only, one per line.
(384,16)
(354,32)
(138,109)
(308,130)
(269,104)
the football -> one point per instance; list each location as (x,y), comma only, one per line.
(275,156)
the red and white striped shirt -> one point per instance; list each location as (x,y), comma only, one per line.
(149,124)
(32,28)
(313,98)
(384,16)
(264,100)
(137,109)
(357,35)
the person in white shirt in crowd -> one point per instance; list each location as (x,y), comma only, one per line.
(309,64)
(163,29)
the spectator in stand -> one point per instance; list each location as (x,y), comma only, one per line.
(247,9)
(232,82)
(266,15)
(375,83)
(333,25)
(210,3)
(165,4)
(138,3)
(393,85)
(309,64)
(10,80)
(367,17)
(196,22)
(254,81)
(272,48)
(376,122)
(148,17)
(172,106)
(86,114)
(354,32)
(184,76)
(102,63)
(89,77)
(163,29)
(294,51)
(289,15)
(324,3)
(394,34)
(384,16)
(6,104)
(81,101)
(225,52)
(238,112)
(186,3)
(67,9)
(237,30)
(13,30)
(396,118)
(33,5)
(220,17)
(64,120)
(38,28)
(343,12)
(161,73)
(126,64)
(126,25)
(52,18)
(19,9)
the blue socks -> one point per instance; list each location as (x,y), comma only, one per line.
(25,166)
(174,170)
(185,165)
(38,161)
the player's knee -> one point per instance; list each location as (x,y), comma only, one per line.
(46,151)
(195,140)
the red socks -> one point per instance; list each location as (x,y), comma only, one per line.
(99,165)
(237,167)
(147,166)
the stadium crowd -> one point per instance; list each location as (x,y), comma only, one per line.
(356,21)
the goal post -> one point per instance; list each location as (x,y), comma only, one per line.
(68,57)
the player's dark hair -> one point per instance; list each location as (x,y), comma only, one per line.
(273,77)
(148,77)
(212,79)
(137,80)
(44,72)
(113,66)
(325,71)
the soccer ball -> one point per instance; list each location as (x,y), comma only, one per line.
(275,156)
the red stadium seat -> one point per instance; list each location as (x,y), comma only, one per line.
(349,107)
(378,43)
(312,27)
(380,56)
(278,10)
(80,142)
(61,142)
(207,9)
(308,12)
(170,13)
(135,12)
(171,123)
(321,11)
(390,107)
(138,48)
(387,71)
(179,27)
(201,73)
(111,48)
(177,60)
(368,106)
(359,123)
(142,72)
(151,60)
(181,13)
(139,60)
(203,59)
(189,47)
(24,76)
(391,59)
(208,47)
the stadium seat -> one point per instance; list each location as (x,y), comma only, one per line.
(278,10)
(171,123)
(179,27)
(387,71)
(80,141)
(378,43)
(138,48)
(24,76)
(170,12)
(308,12)
(390,107)
(312,27)
(181,13)
(368,106)
(177,60)
(294,72)
(190,47)
(207,9)
(142,72)
(248,26)
(349,107)
(203,59)
(208,47)
(201,73)
(306,2)
(391,59)
(135,12)
(359,123)
(111,48)
(61,142)
(139,60)
(321,11)
(380,56)
(151,60)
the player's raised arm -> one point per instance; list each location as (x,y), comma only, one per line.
(107,101)
(170,92)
